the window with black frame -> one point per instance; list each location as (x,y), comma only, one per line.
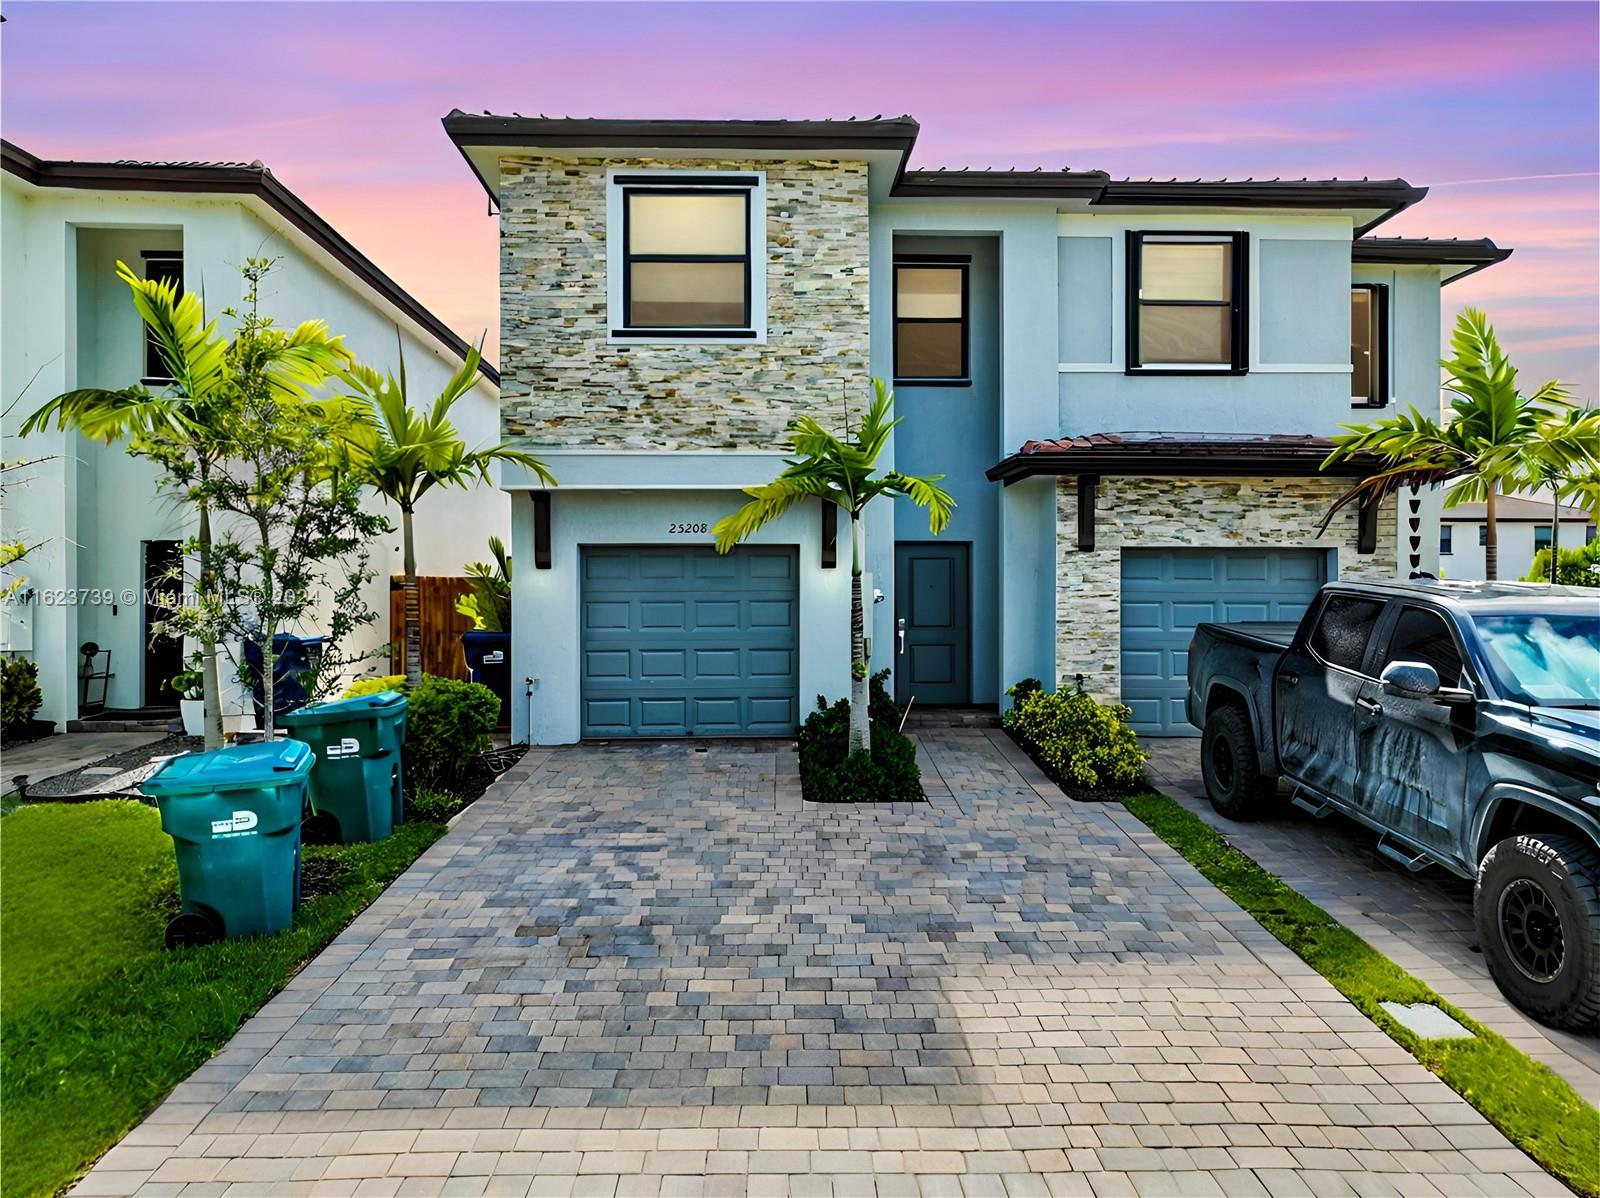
(167,266)
(1369,345)
(1186,303)
(931,311)
(686,260)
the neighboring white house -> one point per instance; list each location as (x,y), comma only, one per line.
(1524,529)
(68,322)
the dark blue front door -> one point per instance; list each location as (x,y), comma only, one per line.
(933,623)
(686,642)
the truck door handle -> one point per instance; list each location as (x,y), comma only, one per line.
(1290,679)
(1370,707)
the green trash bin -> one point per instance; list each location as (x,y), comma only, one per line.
(357,780)
(234,818)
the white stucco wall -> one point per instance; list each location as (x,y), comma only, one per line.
(1466,558)
(66,317)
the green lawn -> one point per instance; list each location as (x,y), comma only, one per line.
(1536,1108)
(97,1019)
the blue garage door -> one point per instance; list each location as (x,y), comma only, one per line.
(686,642)
(1166,592)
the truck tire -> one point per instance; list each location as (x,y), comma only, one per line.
(1231,768)
(1537,907)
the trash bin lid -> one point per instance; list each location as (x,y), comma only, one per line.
(236,768)
(334,710)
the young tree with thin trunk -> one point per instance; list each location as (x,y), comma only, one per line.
(839,470)
(1493,442)
(180,428)
(403,454)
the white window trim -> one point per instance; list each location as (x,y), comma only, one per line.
(616,317)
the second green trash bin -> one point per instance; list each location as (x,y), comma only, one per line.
(234,817)
(357,779)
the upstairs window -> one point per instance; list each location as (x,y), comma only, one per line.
(687,261)
(1369,345)
(166,265)
(1186,303)
(931,309)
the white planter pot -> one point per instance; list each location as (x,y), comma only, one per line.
(194,716)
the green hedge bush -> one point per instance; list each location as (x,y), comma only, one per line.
(1578,567)
(20,696)
(831,774)
(449,726)
(1077,741)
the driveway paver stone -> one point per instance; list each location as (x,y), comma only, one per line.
(652,969)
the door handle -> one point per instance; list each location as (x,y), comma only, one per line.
(902,635)
(1290,679)
(1370,707)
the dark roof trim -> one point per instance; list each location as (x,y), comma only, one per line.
(1175,457)
(895,133)
(1391,195)
(1475,254)
(233,179)
(1043,185)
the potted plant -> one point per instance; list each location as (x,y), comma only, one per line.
(189,685)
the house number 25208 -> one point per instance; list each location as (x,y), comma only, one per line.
(689,529)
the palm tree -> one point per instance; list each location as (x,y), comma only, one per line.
(839,471)
(403,454)
(181,428)
(1495,439)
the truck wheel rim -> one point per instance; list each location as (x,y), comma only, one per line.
(1530,929)
(1222,762)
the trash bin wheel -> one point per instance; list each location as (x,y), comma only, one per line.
(192,929)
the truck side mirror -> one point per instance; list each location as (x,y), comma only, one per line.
(1411,679)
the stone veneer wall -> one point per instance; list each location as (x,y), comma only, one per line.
(1185,513)
(563,384)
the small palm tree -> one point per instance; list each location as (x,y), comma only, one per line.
(403,454)
(840,471)
(1495,440)
(182,428)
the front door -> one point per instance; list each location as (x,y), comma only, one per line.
(1319,696)
(1412,751)
(933,623)
(163,654)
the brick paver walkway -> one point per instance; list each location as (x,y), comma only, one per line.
(1422,921)
(652,968)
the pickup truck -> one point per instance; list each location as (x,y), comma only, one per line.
(1461,723)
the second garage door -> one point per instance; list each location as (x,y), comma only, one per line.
(1166,592)
(686,642)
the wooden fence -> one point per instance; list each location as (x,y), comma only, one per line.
(442,625)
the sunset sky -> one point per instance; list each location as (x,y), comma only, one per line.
(1492,106)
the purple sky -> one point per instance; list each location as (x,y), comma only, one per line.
(1493,106)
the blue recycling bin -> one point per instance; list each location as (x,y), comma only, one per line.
(234,817)
(294,658)
(488,657)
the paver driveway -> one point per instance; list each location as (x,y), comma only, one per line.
(654,969)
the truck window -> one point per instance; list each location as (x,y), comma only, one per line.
(1344,628)
(1423,636)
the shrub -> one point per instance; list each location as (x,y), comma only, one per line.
(830,774)
(373,686)
(1078,742)
(881,709)
(448,728)
(1578,567)
(433,806)
(20,696)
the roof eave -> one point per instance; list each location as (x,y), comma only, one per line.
(1242,462)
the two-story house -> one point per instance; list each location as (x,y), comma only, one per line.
(1128,386)
(102,525)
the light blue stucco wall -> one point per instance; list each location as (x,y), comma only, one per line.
(955,431)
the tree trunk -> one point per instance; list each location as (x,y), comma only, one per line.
(412,606)
(1491,541)
(211,686)
(1555,534)
(269,640)
(860,725)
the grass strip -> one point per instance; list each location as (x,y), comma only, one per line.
(98,1020)
(1536,1108)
